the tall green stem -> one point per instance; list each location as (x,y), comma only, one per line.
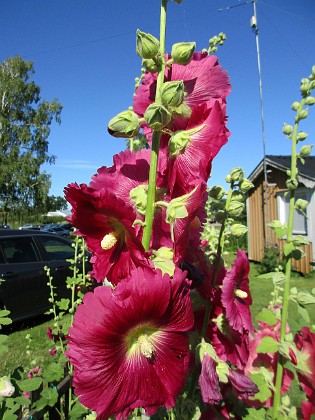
(286,291)
(156,136)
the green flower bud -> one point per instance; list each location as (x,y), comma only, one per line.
(313,70)
(304,88)
(182,52)
(310,100)
(238,230)
(172,93)
(205,348)
(150,65)
(287,129)
(301,115)
(216,192)
(301,204)
(147,45)
(157,116)
(228,179)
(295,106)
(292,184)
(180,140)
(301,136)
(306,150)
(237,174)
(126,124)
(237,196)
(246,185)
(236,209)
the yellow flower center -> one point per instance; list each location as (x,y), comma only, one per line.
(240,293)
(141,339)
(108,241)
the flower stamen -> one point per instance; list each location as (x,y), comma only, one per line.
(240,293)
(109,241)
(145,346)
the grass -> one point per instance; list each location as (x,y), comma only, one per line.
(29,345)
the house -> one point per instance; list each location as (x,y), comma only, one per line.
(267,202)
(61,213)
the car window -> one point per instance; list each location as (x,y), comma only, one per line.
(56,248)
(19,250)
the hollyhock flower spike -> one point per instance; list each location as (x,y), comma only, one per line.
(236,296)
(128,345)
(106,223)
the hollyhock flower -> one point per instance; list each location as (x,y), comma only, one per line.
(204,80)
(267,360)
(6,387)
(129,346)
(308,410)
(305,342)
(209,381)
(106,223)
(236,296)
(242,386)
(192,151)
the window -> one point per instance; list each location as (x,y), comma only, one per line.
(19,250)
(300,221)
(56,248)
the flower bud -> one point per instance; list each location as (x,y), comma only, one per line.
(306,150)
(220,216)
(287,129)
(216,192)
(126,124)
(246,185)
(310,100)
(157,116)
(228,179)
(301,115)
(295,106)
(6,387)
(238,230)
(182,52)
(147,45)
(237,196)
(172,93)
(236,209)
(301,136)
(301,204)
(292,184)
(150,65)
(180,140)
(237,174)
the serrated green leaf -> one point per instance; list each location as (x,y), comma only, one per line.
(300,240)
(30,384)
(63,304)
(77,411)
(267,345)
(254,414)
(23,401)
(53,372)
(267,316)
(264,392)
(8,415)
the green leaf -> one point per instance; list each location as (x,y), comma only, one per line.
(3,340)
(305,298)
(254,414)
(63,304)
(300,240)
(303,312)
(49,396)
(30,384)
(264,391)
(77,411)
(267,316)
(288,248)
(8,415)
(267,345)
(53,372)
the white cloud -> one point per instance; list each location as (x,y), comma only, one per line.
(76,164)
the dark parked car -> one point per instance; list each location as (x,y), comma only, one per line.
(23,280)
(57,230)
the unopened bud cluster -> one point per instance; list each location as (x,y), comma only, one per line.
(215,41)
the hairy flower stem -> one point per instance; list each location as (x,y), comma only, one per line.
(156,136)
(286,291)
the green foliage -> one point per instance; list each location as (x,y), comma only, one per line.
(25,126)
(270,261)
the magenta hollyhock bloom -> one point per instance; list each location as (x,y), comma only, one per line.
(305,342)
(204,80)
(236,296)
(129,345)
(192,158)
(308,410)
(242,386)
(209,381)
(106,223)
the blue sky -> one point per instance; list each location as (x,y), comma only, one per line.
(84,55)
